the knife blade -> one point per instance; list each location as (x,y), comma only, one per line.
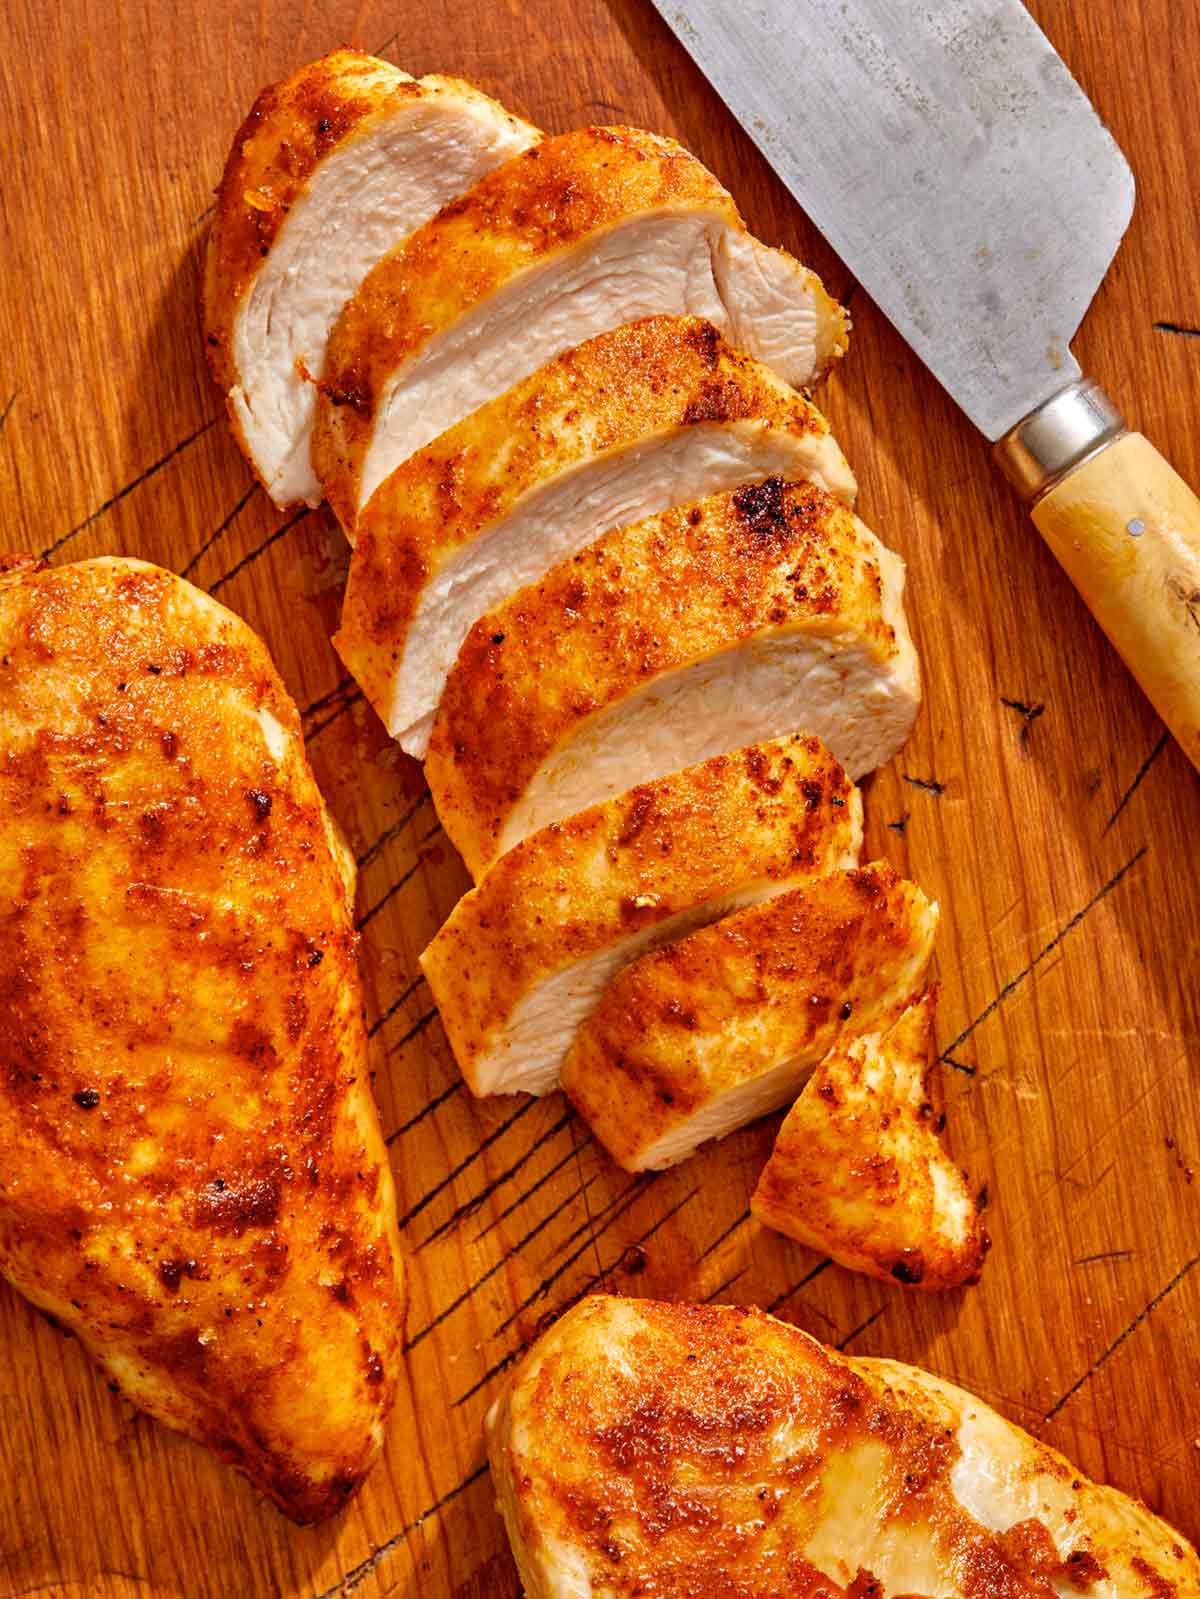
(952,161)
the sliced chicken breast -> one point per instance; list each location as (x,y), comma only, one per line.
(574,237)
(524,956)
(859,1171)
(331,169)
(742,617)
(192,1178)
(724,1026)
(684,1450)
(631,422)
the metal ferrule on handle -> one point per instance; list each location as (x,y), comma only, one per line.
(1060,435)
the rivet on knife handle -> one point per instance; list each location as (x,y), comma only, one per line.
(1126,529)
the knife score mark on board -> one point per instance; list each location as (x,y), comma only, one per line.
(122,493)
(357,1575)
(1178,328)
(947,1055)
(1138,778)
(1106,1356)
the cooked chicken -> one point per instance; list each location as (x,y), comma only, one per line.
(192,1178)
(572,238)
(858,1169)
(691,1451)
(722,1027)
(634,421)
(524,956)
(330,170)
(743,617)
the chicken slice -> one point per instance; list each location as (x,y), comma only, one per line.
(687,1450)
(331,169)
(859,1172)
(192,1178)
(743,617)
(574,237)
(644,417)
(724,1026)
(524,956)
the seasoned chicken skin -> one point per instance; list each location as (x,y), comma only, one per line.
(651,1451)
(330,170)
(633,421)
(859,1171)
(705,1035)
(525,956)
(745,616)
(192,1178)
(574,237)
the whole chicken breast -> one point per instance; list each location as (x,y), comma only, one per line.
(576,236)
(635,420)
(745,616)
(721,1027)
(192,1178)
(859,1171)
(330,170)
(524,957)
(652,1451)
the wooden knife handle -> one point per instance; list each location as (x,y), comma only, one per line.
(1126,528)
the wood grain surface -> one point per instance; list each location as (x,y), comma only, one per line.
(1039,800)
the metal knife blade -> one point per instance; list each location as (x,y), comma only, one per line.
(951,160)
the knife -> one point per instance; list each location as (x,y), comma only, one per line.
(946,153)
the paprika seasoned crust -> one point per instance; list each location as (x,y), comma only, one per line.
(859,1170)
(744,616)
(723,1026)
(633,421)
(574,237)
(687,1451)
(347,148)
(192,1178)
(525,955)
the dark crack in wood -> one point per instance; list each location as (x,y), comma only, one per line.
(393,830)
(1179,328)
(862,1327)
(1048,949)
(480,1149)
(928,785)
(121,494)
(357,1575)
(218,532)
(808,1277)
(259,549)
(717,1242)
(1121,1338)
(385,1016)
(517,1248)
(1139,776)
(470,1206)
(426,1110)
(4,415)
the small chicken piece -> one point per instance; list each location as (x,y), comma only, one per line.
(724,1026)
(330,170)
(683,1451)
(859,1171)
(743,617)
(572,238)
(524,956)
(192,1178)
(635,420)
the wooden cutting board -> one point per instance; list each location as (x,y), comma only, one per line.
(1038,799)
